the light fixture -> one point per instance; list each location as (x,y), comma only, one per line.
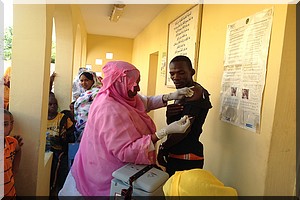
(98,61)
(109,56)
(116,12)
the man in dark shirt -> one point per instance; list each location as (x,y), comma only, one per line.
(185,151)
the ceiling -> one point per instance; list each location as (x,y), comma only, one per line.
(133,20)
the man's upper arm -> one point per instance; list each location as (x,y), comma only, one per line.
(198,94)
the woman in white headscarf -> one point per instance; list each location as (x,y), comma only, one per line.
(91,84)
(77,88)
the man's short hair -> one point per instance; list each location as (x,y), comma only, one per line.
(6,112)
(183,58)
(51,94)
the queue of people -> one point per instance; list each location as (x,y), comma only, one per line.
(111,123)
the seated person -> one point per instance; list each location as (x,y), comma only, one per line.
(60,132)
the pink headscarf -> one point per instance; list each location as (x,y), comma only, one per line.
(118,131)
(120,77)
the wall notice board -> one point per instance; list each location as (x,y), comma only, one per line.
(183,38)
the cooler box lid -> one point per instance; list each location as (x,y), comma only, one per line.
(148,182)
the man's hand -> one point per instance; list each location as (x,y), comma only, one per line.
(52,77)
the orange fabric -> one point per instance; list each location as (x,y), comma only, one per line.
(6,97)
(189,156)
(6,80)
(9,154)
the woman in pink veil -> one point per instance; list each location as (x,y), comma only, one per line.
(118,131)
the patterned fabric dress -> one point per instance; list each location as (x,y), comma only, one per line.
(82,105)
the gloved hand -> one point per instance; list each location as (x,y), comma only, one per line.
(179,126)
(181,93)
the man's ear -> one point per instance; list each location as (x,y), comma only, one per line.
(193,72)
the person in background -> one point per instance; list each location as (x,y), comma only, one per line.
(77,89)
(60,132)
(185,151)
(91,84)
(118,131)
(70,112)
(52,77)
(12,156)
(71,106)
(6,83)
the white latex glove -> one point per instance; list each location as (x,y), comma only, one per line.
(179,126)
(181,93)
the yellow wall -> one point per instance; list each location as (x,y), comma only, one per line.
(79,39)
(64,54)
(240,158)
(282,152)
(30,89)
(30,83)
(98,46)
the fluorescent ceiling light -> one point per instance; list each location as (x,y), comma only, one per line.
(117,12)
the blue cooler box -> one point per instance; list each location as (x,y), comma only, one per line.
(149,184)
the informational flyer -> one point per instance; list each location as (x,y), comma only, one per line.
(163,64)
(245,59)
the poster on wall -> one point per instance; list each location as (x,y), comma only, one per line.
(183,39)
(245,60)
(163,64)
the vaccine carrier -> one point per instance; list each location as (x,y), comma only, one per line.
(138,180)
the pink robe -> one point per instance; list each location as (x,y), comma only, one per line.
(118,131)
